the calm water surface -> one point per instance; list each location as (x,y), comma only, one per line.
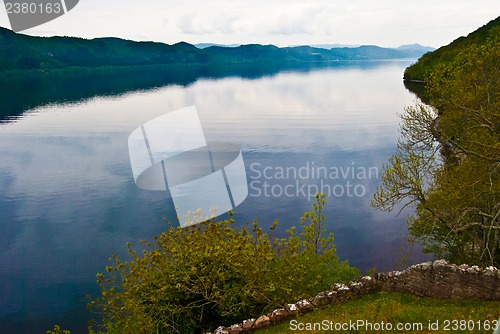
(68,199)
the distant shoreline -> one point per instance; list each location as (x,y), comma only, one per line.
(23,52)
(259,64)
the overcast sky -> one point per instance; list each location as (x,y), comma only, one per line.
(387,23)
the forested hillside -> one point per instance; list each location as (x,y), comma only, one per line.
(447,164)
(445,54)
(22,52)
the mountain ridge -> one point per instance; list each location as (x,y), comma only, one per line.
(23,52)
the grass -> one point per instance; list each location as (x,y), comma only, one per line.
(385,310)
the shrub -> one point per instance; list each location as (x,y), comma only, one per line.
(194,279)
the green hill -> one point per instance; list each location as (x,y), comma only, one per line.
(26,52)
(418,71)
(22,52)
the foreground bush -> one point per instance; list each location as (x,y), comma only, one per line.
(190,280)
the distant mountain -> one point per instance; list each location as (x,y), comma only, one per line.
(416,47)
(22,52)
(207,45)
(333,46)
(415,50)
(418,71)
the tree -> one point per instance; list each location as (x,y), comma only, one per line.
(58,330)
(196,278)
(456,193)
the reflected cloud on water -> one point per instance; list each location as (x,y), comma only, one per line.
(68,197)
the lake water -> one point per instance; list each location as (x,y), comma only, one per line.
(68,200)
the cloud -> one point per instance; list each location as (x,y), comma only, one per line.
(294,20)
(197,24)
(280,22)
(267,20)
(297,18)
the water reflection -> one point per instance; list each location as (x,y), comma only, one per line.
(68,198)
(22,91)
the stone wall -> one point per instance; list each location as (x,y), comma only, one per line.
(442,280)
(437,279)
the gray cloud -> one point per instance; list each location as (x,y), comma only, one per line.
(281,22)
